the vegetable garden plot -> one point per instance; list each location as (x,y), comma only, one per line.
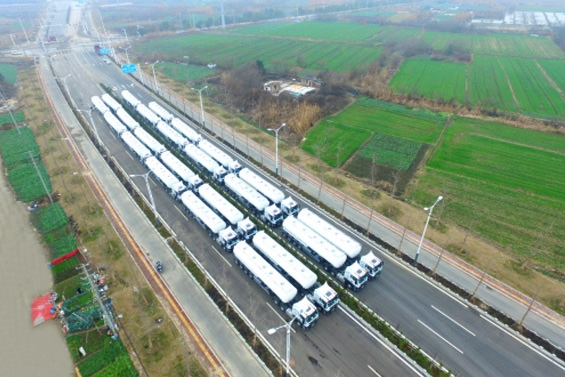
(49,218)
(390,151)
(18,146)
(102,358)
(25,181)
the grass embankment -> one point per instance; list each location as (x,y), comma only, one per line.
(161,348)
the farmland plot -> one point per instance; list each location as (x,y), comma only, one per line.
(534,93)
(334,142)
(516,45)
(502,180)
(554,68)
(328,31)
(390,151)
(236,50)
(440,41)
(488,86)
(184,73)
(394,120)
(338,137)
(432,79)
(9,72)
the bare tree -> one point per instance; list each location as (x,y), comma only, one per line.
(396,175)
(373,168)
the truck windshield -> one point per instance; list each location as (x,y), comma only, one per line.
(311,319)
(331,303)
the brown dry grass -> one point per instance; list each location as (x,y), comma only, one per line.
(161,349)
(502,265)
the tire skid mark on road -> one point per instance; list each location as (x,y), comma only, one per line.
(141,260)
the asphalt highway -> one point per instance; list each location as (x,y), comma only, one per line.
(463,339)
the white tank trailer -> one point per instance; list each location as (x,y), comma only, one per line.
(271,281)
(323,296)
(322,251)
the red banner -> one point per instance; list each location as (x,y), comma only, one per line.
(70,254)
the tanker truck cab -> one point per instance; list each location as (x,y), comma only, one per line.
(372,264)
(289,207)
(325,298)
(246,229)
(354,276)
(227,238)
(305,313)
(273,215)
(219,174)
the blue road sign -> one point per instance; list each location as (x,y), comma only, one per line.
(104,51)
(129,68)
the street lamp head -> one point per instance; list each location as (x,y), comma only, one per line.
(426,209)
(206,87)
(439,198)
(271,331)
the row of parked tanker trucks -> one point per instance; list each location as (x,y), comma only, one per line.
(293,286)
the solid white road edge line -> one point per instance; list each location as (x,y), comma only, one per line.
(441,337)
(181,213)
(533,348)
(221,256)
(381,342)
(452,320)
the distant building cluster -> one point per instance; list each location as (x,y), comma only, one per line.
(307,84)
(547,19)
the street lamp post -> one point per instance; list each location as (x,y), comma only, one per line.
(288,327)
(155,76)
(67,88)
(89,111)
(126,33)
(439,198)
(201,106)
(146,177)
(276,131)
(127,55)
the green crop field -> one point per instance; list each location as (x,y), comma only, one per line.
(394,120)
(184,73)
(390,151)
(555,70)
(343,134)
(488,86)
(533,91)
(432,79)
(393,33)
(327,31)
(516,45)
(507,181)
(497,44)
(440,41)
(333,141)
(9,72)
(236,50)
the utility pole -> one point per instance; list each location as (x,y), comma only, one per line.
(40,177)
